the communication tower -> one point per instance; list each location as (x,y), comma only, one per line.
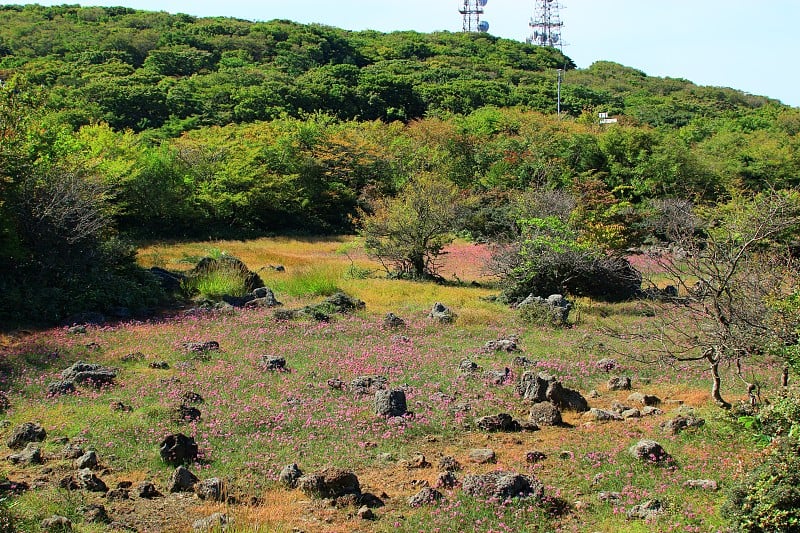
(546,24)
(472,11)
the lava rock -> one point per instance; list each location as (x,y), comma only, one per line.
(212,489)
(289,475)
(426,496)
(178,449)
(181,480)
(25,433)
(329,483)
(503,486)
(390,403)
(650,451)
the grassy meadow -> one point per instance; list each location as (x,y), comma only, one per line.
(254,421)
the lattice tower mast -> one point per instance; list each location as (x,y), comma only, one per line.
(546,24)
(472,11)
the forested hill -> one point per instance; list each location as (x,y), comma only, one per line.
(155,71)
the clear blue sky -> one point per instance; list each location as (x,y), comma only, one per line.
(749,45)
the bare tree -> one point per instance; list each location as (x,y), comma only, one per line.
(717,309)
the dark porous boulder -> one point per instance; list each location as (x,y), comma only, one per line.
(442,314)
(56,523)
(364,384)
(343,303)
(30,455)
(211,489)
(555,307)
(147,490)
(335,384)
(679,423)
(87,460)
(289,475)
(502,345)
(262,297)
(647,510)
(273,363)
(566,399)
(169,281)
(533,386)
(602,415)
(522,362)
(60,388)
(89,481)
(535,456)
(498,377)
(201,347)
(468,366)
(393,321)
(178,449)
(482,456)
(644,399)
(187,413)
(181,480)
(12,487)
(449,464)
(606,364)
(329,483)
(650,451)
(192,397)
(545,414)
(619,383)
(498,422)
(25,433)
(426,496)
(94,514)
(390,402)
(89,374)
(446,480)
(503,485)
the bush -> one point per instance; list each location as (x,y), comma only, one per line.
(768,498)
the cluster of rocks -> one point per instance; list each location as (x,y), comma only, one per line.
(87,471)
(548,397)
(342,488)
(338,303)
(80,373)
(555,308)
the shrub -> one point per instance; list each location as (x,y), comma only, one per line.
(768,498)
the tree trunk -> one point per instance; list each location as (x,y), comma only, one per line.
(716,380)
(418,265)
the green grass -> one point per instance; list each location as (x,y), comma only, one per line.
(315,281)
(217,283)
(254,422)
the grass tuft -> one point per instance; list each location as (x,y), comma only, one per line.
(316,281)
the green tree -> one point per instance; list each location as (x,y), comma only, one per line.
(408,233)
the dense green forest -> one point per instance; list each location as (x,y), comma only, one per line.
(116,122)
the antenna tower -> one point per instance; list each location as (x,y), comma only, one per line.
(472,11)
(546,24)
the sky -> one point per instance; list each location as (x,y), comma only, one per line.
(743,44)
